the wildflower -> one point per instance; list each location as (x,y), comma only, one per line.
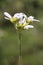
(20,15)
(9,17)
(28,26)
(22,21)
(22,24)
(30,19)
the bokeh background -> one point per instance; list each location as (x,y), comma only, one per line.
(32,40)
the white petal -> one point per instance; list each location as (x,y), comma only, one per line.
(17,15)
(28,26)
(36,20)
(20,15)
(6,18)
(23,15)
(31,17)
(7,15)
(23,21)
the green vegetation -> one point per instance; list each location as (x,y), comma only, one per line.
(32,40)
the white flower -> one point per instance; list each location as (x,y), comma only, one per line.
(22,21)
(21,16)
(28,26)
(11,18)
(17,15)
(31,18)
(7,15)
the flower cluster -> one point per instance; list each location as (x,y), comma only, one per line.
(20,20)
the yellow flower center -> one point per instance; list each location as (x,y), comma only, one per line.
(14,19)
(28,21)
(20,25)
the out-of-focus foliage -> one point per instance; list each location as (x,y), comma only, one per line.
(32,40)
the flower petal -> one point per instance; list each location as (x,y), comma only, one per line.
(20,15)
(28,26)
(7,14)
(23,15)
(36,20)
(17,15)
(22,21)
(6,18)
(31,18)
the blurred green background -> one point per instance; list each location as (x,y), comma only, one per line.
(32,40)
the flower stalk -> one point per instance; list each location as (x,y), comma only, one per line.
(20,48)
(21,22)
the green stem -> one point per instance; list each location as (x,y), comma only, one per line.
(20,48)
